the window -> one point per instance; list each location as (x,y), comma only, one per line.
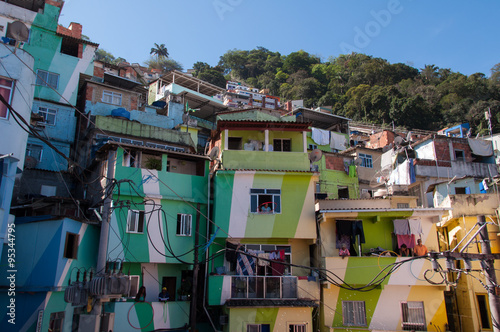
(461,190)
(134,286)
(484,312)
(284,145)
(56,321)
(6,92)
(184,224)
(135,221)
(353,313)
(69,46)
(297,328)
(366,160)
(403,205)
(48,114)
(48,191)
(459,155)
(131,159)
(413,316)
(312,147)
(35,151)
(111,97)
(265,200)
(45,78)
(343,192)
(258,327)
(71,246)
(234,143)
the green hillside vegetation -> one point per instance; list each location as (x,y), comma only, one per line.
(358,86)
(365,88)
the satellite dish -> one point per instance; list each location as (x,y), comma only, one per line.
(358,161)
(214,153)
(387,148)
(18,30)
(315,155)
(185,118)
(398,140)
(381,177)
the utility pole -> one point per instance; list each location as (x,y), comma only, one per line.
(103,242)
(196,268)
(491,279)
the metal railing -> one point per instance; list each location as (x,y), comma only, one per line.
(263,287)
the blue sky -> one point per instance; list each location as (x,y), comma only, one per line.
(460,35)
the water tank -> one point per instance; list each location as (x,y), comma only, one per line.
(120,113)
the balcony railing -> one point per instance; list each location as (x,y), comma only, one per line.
(260,287)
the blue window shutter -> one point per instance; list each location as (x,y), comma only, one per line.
(253,203)
(277,203)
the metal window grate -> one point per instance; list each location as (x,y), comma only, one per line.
(413,316)
(353,313)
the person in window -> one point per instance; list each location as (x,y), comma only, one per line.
(404,251)
(141,295)
(265,208)
(420,249)
(344,251)
(164,296)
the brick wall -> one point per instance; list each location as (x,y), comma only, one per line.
(89,93)
(442,149)
(335,163)
(98,72)
(465,148)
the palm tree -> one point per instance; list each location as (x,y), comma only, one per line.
(160,51)
(429,72)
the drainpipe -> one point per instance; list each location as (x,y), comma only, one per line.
(207,255)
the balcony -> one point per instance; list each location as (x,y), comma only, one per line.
(427,167)
(260,287)
(262,160)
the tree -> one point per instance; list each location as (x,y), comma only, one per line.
(102,55)
(163,64)
(159,50)
(429,73)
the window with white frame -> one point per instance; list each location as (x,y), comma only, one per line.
(45,78)
(48,114)
(6,86)
(111,97)
(134,286)
(258,327)
(366,160)
(413,316)
(265,200)
(184,224)
(353,313)
(297,328)
(135,221)
(35,151)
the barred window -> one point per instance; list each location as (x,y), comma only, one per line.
(184,222)
(413,316)
(353,313)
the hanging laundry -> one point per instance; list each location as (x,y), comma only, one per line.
(245,265)
(413,177)
(409,240)
(415,226)
(320,136)
(338,141)
(401,227)
(352,171)
(263,259)
(357,229)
